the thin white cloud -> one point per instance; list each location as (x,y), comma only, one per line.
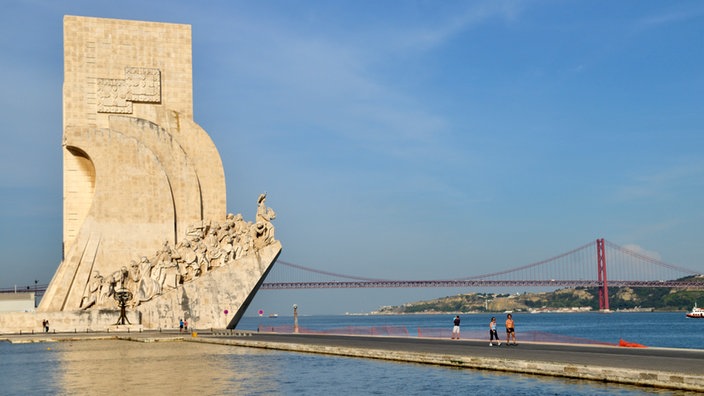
(455,22)
(659,184)
(329,82)
(673,16)
(642,251)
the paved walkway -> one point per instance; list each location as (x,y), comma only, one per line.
(659,367)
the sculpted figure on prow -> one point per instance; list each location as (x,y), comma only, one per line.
(206,246)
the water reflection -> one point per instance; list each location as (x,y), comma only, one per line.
(113,367)
(161,368)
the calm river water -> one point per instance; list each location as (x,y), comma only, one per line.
(655,329)
(176,368)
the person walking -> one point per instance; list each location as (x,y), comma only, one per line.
(492,332)
(456,328)
(180,325)
(510,330)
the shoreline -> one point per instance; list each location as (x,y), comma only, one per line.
(554,311)
(504,359)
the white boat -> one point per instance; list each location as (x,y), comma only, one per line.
(274,315)
(696,312)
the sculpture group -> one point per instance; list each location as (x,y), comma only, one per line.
(206,247)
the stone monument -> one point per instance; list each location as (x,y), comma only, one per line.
(144,188)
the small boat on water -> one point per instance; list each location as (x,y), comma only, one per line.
(696,312)
(274,315)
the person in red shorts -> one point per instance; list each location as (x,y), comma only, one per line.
(510,330)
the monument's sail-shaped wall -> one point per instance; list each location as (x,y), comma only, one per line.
(142,181)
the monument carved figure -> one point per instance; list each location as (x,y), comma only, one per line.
(93,292)
(144,187)
(170,268)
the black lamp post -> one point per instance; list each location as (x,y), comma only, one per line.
(122,296)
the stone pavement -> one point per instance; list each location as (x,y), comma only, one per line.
(653,367)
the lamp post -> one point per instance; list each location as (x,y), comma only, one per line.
(295,318)
(122,296)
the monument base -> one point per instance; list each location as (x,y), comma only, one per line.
(203,303)
(97,320)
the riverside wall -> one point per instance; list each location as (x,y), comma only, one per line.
(614,374)
(664,379)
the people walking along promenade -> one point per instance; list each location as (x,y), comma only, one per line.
(492,333)
(510,330)
(456,328)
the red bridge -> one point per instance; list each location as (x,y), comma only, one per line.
(575,268)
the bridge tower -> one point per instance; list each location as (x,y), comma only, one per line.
(601,270)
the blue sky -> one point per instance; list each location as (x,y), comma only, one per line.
(412,140)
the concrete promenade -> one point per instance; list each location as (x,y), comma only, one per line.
(681,369)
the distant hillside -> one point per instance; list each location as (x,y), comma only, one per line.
(661,299)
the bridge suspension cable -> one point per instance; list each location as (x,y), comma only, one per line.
(651,259)
(317,271)
(532,265)
(576,267)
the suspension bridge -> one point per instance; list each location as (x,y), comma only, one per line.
(584,266)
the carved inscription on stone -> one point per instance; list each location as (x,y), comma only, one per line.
(143,85)
(140,85)
(112,96)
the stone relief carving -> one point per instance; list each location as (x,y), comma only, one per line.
(140,85)
(206,246)
(93,291)
(143,85)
